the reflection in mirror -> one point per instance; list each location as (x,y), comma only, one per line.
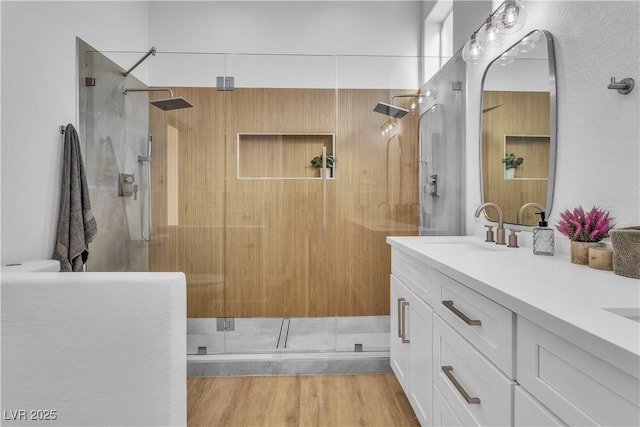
(519,128)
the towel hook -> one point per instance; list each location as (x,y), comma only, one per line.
(624,86)
(62,129)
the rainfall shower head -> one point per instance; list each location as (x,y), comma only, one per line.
(166,104)
(390,110)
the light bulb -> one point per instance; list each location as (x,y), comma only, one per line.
(490,34)
(472,51)
(512,17)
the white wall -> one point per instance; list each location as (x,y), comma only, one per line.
(598,151)
(39,90)
(182,31)
(39,93)
(98,348)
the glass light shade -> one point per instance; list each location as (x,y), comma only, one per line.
(490,35)
(507,57)
(527,43)
(473,51)
(512,17)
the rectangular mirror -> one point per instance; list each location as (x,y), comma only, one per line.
(518,127)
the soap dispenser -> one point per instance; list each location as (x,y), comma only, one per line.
(543,238)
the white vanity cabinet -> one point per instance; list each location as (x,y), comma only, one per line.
(430,356)
(546,350)
(411,335)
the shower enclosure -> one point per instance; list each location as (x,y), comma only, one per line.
(281,258)
(441,151)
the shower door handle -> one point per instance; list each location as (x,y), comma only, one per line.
(323,173)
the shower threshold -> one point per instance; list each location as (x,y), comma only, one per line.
(289,346)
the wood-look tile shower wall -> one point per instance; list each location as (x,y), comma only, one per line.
(254,247)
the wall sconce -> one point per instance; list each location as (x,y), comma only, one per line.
(507,18)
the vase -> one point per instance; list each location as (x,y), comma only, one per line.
(580,252)
(510,173)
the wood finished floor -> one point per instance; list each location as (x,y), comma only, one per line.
(310,400)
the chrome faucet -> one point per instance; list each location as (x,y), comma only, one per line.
(525,206)
(500,230)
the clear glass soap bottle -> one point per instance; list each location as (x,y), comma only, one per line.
(543,239)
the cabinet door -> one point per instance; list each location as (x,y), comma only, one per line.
(419,329)
(574,384)
(400,351)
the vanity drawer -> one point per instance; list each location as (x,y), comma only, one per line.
(421,279)
(443,415)
(528,412)
(476,390)
(578,387)
(486,324)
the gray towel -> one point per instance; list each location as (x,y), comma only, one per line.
(76,224)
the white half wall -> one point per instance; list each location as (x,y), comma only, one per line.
(99,349)
(39,93)
(598,154)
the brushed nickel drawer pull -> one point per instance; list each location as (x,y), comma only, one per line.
(399,315)
(448,371)
(461,315)
(404,324)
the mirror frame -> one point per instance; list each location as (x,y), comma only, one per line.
(553,121)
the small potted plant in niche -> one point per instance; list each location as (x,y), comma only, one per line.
(511,162)
(316,162)
(584,229)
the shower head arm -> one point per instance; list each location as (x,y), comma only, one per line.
(408,96)
(152,51)
(151,89)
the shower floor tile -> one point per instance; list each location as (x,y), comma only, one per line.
(265,335)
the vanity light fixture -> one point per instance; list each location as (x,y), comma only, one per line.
(507,18)
(512,16)
(472,51)
(490,34)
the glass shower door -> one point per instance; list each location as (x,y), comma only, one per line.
(442,152)
(280,210)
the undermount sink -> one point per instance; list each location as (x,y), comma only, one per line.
(631,313)
(465,246)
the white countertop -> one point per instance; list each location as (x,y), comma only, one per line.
(565,298)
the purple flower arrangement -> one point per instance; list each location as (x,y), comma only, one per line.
(581,226)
